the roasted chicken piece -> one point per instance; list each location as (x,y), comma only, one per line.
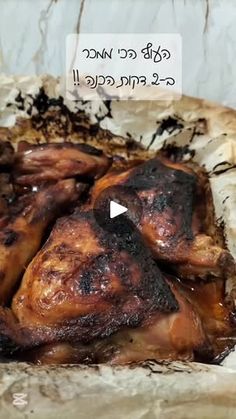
(200,330)
(172,222)
(86,284)
(35,164)
(161,336)
(22,231)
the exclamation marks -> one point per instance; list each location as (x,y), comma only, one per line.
(76,77)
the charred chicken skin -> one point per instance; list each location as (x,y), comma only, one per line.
(87,286)
(24,221)
(171,223)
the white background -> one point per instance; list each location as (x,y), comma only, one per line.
(33,32)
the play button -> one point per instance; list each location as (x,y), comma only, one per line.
(116,209)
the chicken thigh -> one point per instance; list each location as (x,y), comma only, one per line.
(86,284)
(161,336)
(172,222)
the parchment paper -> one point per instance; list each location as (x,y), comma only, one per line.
(207,133)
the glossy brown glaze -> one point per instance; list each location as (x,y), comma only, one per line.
(21,233)
(160,336)
(215,313)
(85,284)
(172,223)
(51,162)
(92,295)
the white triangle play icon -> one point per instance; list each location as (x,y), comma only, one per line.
(116,209)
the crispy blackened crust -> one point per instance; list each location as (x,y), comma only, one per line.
(172,217)
(110,284)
